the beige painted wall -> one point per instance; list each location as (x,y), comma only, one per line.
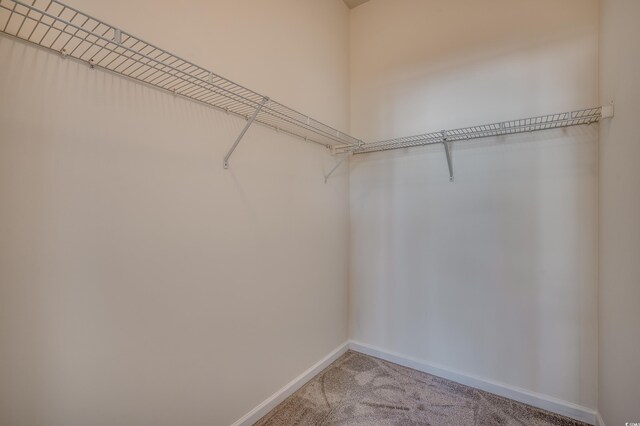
(494,275)
(619,295)
(140,283)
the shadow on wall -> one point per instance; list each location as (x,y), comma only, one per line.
(492,274)
(125,245)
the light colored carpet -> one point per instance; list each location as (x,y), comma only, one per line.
(361,390)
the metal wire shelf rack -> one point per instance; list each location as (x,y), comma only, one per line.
(72,33)
(523,125)
(53,25)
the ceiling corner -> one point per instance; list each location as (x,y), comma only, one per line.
(354,3)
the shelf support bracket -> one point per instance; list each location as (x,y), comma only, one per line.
(445,142)
(347,155)
(225,164)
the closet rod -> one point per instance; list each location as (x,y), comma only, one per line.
(75,34)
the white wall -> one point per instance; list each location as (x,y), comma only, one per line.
(619,291)
(140,283)
(494,275)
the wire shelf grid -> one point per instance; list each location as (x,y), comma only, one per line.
(543,122)
(54,25)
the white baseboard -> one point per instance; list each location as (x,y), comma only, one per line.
(270,403)
(544,402)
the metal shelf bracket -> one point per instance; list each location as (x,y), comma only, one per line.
(347,155)
(225,164)
(445,142)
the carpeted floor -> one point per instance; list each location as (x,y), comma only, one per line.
(361,390)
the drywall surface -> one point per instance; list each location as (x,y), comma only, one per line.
(140,283)
(619,284)
(494,275)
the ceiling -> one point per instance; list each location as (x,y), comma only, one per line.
(354,3)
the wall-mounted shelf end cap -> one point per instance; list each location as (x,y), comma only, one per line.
(607,111)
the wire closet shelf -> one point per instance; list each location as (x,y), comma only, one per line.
(523,125)
(54,25)
(72,33)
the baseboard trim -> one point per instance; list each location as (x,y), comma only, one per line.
(270,403)
(544,402)
(599,421)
